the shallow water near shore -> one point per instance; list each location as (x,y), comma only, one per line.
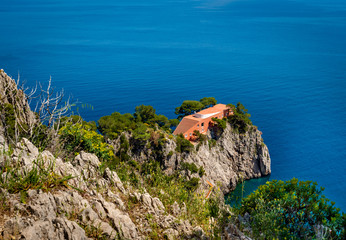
(284,60)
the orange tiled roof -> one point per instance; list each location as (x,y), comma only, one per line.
(214,109)
(190,120)
(185,125)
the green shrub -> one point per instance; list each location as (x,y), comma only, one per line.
(220,123)
(201,171)
(212,143)
(240,120)
(113,125)
(78,137)
(199,136)
(15,179)
(183,145)
(170,154)
(189,166)
(192,184)
(291,210)
(123,148)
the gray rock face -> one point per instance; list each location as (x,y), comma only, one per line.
(11,95)
(60,214)
(231,232)
(234,157)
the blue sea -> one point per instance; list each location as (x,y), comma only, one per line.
(285,60)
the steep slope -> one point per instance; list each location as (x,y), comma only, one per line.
(231,158)
(16,115)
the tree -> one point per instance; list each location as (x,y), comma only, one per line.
(111,126)
(240,119)
(174,122)
(188,107)
(145,114)
(292,210)
(208,102)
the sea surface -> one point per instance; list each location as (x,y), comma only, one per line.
(285,60)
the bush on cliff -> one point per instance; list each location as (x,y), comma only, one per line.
(292,210)
(78,137)
(188,107)
(240,120)
(183,145)
(112,126)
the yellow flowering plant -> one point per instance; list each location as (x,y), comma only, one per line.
(77,137)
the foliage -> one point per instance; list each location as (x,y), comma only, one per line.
(212,143)
(123,149)
(175,188)
(292,209)
(145,114)
(189,166)
(183,145)
(220,123)
(42,176)
(240,119)
(7,111)
(208,102)
(111,126)
(192,184)
(140,133)
(201,171)
(174,122)
(188,107)
(78,137)
(199,136)
(77,119)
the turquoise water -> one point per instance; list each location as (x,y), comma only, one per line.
(283,59)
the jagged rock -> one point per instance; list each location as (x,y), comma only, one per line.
(10,95)
(231,232)
(43,206)
(114,179)
(99,209)
(3,145)
(84,159)
(87,164)
(121,220)
(116,199)
(56,229)
(175,209)
(105,228)
(234,157)
(153,204)
(171,234)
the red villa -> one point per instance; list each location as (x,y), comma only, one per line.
(201,121)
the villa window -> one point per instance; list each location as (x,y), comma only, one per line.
(190,134)
(186,135)
(202,124)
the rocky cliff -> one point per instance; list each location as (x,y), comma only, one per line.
(231,158)
(16,115)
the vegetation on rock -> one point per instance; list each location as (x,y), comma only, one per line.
(240,119)
(188,107)
(292,210)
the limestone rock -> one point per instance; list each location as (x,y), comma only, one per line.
(231,232)
(175,209)
(59,228)
(114,179)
